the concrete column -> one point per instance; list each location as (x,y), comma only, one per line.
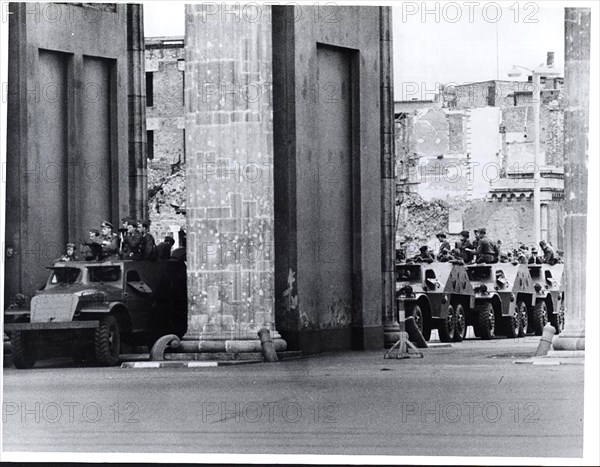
(388,180)
(136,100)
(576,105)
(229,178)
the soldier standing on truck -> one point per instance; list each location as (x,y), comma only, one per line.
(465,247)
(109,241)
(486,251)
(148,245)
(130,247)
(549,254)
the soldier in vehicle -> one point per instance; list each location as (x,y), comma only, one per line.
(486,251)
(465,247)
(95,245)
(535,259)
(424,256)
(109,241)
(549,253)
(444,247)
(147,245)
(163,249)
(130,247)
(70,255)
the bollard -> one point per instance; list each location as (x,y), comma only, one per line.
(268,349)
(414,333)
(545,341)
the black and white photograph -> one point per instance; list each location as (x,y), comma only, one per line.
(315,232)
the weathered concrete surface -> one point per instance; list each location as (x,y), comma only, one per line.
(466,400)
(577,101)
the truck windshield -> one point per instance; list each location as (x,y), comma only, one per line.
(479,273)
(408,273)
(104,273)
(64,275)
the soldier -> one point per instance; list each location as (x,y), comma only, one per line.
(444,247)
(148,245)
(425,256)
(549,254)
(70,256)
(163,249)
(465,247)
(535,259)
(109,241)
(130,247)
(486,251)
(95,245)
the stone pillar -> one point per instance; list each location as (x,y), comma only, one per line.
(388,180)
(138,178)
(576,105)
(229,179)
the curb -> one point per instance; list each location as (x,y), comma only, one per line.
(193,364)
(550,362)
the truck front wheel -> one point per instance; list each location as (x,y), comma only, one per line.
(22,350)
(107,342)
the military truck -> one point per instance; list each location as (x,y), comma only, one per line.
(503,294)
(548,298)
(437,295)
(86,308)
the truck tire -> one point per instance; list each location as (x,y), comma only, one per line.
(558,321)
(540,317)
(524,321)
(486,321)
(446,327)
(107,342)
(460,323)
(515,323)
(22,350)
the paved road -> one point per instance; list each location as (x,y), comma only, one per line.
(468,400)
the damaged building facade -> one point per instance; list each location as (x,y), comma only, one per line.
(465,160)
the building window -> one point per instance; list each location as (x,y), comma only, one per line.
(150,144)
(149,89)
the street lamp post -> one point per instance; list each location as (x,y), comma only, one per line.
(536,75)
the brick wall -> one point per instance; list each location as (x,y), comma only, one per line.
(165,119)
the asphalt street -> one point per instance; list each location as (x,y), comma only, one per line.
(467,400)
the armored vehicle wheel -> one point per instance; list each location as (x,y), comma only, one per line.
(558,321)
(460,323)
(524,316)
(22,350)
(107,342)
(446,328)
(514,328)
(416,312)
(486,321)
(540,317)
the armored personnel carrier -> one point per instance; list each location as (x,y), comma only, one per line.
(437,295)
(504,292)
(549,296)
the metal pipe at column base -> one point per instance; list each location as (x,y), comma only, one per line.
(268,349)
(545,341)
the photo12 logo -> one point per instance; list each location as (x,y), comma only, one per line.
(468,12)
